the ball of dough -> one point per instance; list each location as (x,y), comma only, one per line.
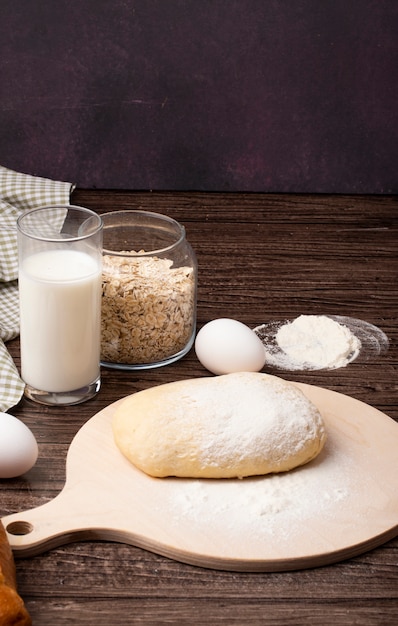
(234,425)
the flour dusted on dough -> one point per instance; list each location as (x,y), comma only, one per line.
(235,425)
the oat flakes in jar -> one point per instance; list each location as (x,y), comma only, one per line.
(149,284)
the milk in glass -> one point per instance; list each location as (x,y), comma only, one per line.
(60,317)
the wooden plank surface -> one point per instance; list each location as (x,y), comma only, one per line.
(261,257)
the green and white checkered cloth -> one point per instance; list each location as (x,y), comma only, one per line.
(18,193)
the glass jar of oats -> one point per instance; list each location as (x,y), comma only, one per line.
(149,284)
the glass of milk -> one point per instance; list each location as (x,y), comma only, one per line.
(60,269)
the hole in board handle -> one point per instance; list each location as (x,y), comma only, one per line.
(19,528)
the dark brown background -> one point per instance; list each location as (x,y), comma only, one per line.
(210,95)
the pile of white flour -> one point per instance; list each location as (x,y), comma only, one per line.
(318,342)
(312,342)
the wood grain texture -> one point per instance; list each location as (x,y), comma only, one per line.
(261,257)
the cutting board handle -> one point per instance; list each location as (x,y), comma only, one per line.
(68,517)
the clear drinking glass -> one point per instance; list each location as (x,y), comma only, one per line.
(148,292)
(60,265)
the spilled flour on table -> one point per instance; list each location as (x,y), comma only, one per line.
(313,342)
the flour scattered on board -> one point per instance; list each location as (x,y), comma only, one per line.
(274,505)
(313,342)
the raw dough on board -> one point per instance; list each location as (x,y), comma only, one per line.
(234,425)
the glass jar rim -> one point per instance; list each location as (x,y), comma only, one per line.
(180,231)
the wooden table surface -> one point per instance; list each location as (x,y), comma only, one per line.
(261,258)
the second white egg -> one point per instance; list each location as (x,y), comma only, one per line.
(18,447)
(225,345)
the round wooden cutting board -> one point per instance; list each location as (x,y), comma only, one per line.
(343,503)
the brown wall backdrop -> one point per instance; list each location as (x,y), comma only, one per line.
(212,95)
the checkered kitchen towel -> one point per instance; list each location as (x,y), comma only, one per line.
(18,193)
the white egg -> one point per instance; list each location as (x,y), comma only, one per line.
(18,447)
(225,345)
